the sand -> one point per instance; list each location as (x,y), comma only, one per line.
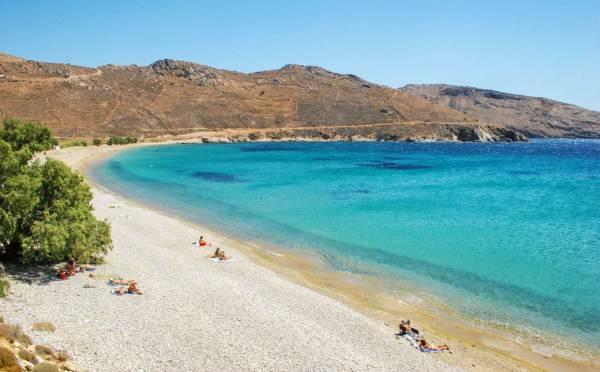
(195,313)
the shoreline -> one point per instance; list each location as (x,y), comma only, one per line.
(485,349)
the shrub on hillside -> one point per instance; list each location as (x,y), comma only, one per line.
(73,143)
(121,140)
(96,141)
(45,210)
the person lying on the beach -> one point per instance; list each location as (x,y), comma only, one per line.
(405,328)
(427,347)
(131,289)
(120,281)
(83,268)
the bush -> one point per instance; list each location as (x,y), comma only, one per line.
(45,210)
(4,287)
(96,141)
(253,136)
(121,140)
(33,137)
(73,143)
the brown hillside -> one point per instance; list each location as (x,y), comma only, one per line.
(173,97)
(536,117)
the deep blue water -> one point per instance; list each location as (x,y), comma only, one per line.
(507,232)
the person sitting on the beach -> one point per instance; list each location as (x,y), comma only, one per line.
(405,328)
(425,346)
(71,268)
(220,254)
(201,242)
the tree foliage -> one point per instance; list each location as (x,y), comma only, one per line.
(121,140)
(27,138)
(45,209)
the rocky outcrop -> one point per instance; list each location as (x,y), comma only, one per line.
(198,74)
(536,117)
(18,353)
(414,132)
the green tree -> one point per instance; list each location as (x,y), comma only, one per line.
(45,209)
(121,140)
(30,137)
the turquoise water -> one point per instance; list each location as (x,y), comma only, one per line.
(504,232)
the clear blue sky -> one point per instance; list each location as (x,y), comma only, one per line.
(541,48)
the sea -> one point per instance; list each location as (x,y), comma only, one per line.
(502,232)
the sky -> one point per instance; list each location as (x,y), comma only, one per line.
(539,48)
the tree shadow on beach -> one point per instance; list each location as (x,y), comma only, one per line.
(31,274)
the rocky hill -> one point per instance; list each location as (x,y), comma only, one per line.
(173,98)
(536,117)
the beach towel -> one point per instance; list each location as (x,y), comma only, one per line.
(411,337)
(216,259)
(431,350)
(111,281)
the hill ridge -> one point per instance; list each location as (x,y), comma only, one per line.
(534,116)
(171,97)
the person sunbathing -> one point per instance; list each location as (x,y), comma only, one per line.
(83,268)
(425,346)
(201,242)
(405,328)
(131,289)
(120,281)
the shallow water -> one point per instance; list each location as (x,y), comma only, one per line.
(508,232)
